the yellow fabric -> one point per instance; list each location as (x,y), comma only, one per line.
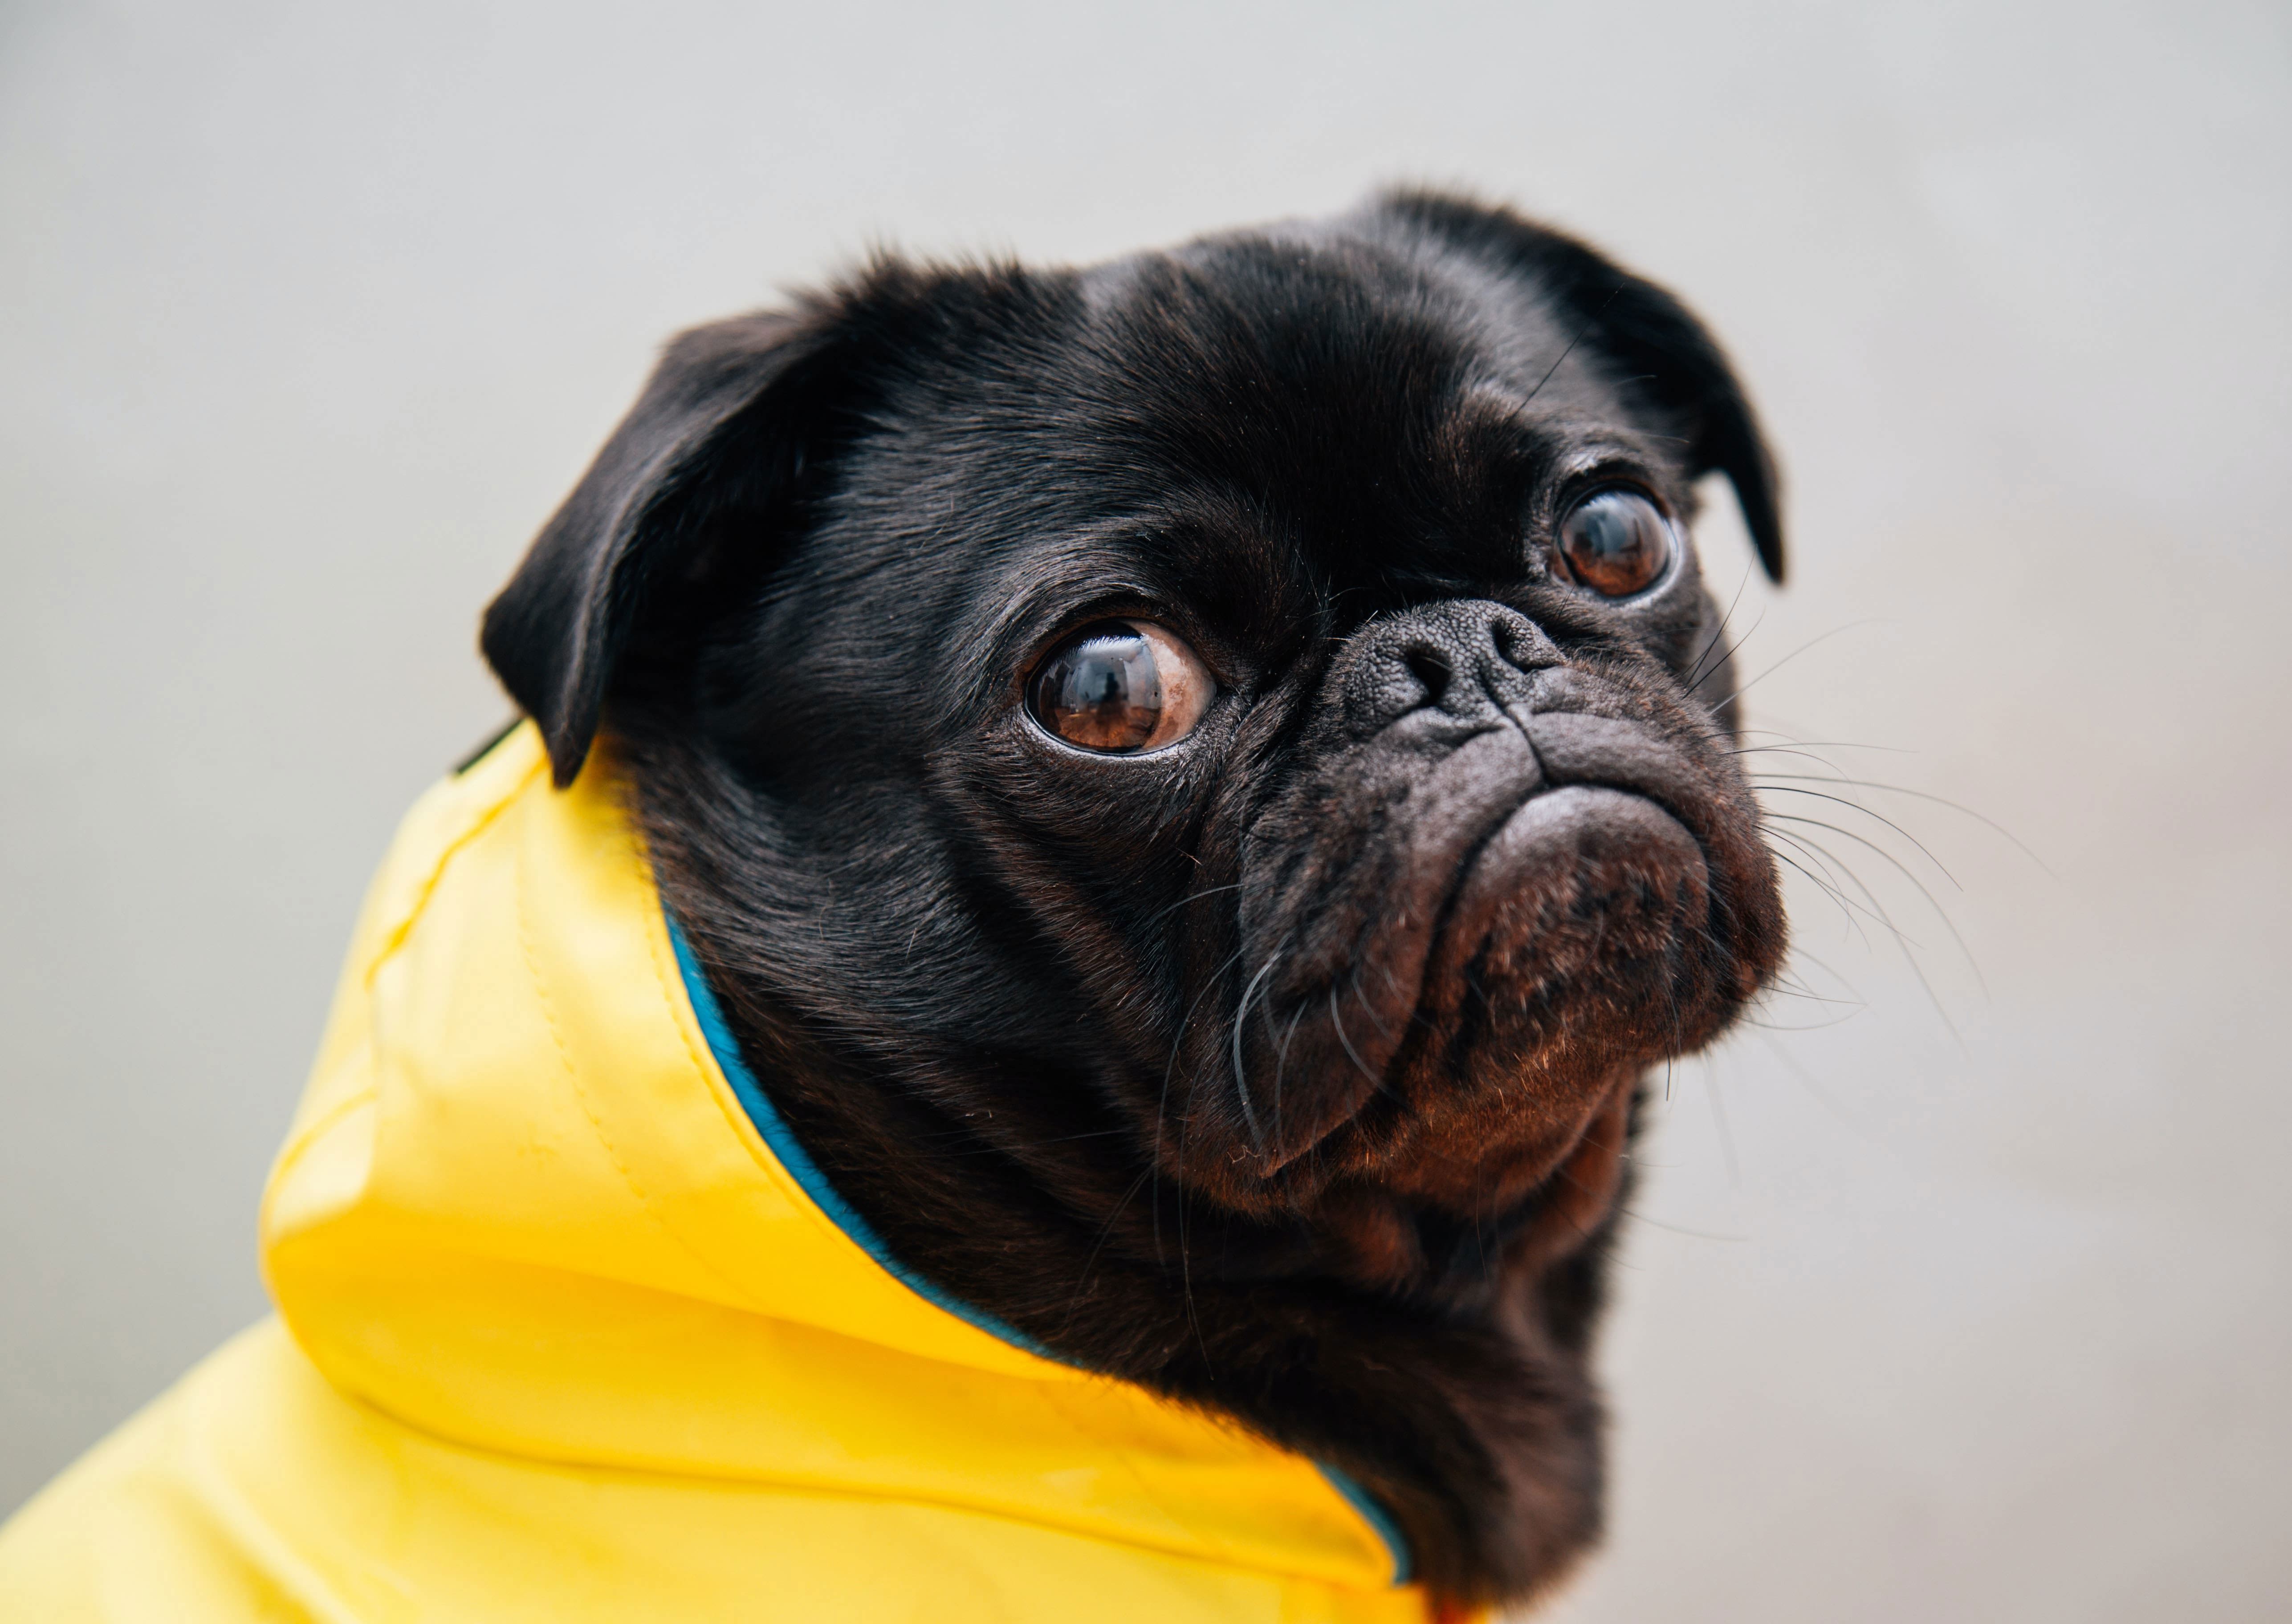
(562,1339)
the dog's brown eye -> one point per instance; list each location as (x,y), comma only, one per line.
(1120,687)
(1615,542)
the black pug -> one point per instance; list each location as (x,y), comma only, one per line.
(1203,785)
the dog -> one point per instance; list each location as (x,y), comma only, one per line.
(1194,791)
(1194,778)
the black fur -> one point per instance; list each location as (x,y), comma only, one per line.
(1286,1070)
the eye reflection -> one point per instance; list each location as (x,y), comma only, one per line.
(1120,688)
(1615,543)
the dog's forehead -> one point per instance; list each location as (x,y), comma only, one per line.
(1304,373)
(1307,302)
(1340,412)
(1313,344)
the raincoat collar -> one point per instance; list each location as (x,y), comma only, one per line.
(535,1204)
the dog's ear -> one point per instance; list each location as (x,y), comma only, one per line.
(1661,348)
(717,431)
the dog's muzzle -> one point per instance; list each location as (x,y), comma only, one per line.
(1491,883)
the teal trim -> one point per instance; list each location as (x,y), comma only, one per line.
(1372,1512)
(798,1162)
(793,1156)
(492,742)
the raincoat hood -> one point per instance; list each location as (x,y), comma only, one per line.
(572,1327)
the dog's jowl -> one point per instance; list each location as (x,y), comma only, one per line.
(1045,1019)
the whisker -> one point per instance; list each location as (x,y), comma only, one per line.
(1795,986)
(1940,800)
(1829,969)
(1821,1026)
(1940,912)
(1240,1022)
(1185,1256)
(1753,732)
(1784,788)
(1793,655)
(1353,974)
(1720,664)
(1838,1017)
(1695,670)
(1572,342)
(1780,749)
(1806,1079)
(1677,1229)
(1281,1064)
(1082,1282)
(1209,984)
(1192,896)
(1903,938)
(1846,905)
(1352,1054)
(1161,1113)
(1834,863)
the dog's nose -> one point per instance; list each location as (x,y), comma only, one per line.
(1467,659)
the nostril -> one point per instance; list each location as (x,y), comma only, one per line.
(1513,647)
(1429,667)
(1463,659)
(1519,644)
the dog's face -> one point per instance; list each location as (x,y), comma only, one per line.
(1258,704)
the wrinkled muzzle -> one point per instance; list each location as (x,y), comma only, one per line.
(1495,882)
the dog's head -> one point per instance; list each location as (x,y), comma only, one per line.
(1248,717)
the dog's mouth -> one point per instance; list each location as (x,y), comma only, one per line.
(1457,988)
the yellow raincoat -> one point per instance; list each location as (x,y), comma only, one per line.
(569,1328)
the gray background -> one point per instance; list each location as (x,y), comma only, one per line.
(1960,1303)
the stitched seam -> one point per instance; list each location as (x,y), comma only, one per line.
(581,1095)
(291,1157)
(393,941)
(396,938)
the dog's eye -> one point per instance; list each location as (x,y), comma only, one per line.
(1120,687)
(1615,543)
